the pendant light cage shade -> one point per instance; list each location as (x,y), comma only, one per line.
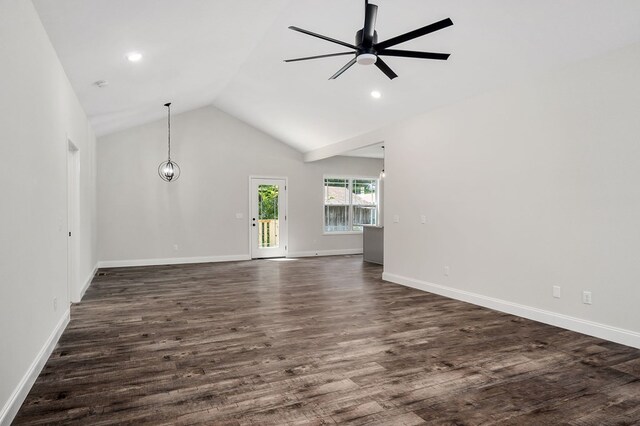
(169,170)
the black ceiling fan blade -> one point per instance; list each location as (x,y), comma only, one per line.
(319,56)
(414,34)
(370,16)
(343,69)
(414,54)
(382,65)
(333,40)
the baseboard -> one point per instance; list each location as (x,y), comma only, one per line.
(603,331)
(171,261)
(21,391)
(312,253)
(88,281)
(211,259)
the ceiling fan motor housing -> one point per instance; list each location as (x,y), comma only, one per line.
(359,40)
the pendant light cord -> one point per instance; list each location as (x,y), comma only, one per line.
(169,129)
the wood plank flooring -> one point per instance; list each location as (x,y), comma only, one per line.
(317,341)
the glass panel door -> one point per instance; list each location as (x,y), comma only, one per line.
(268,218)
(268,224)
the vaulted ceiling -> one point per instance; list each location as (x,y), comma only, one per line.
(230,54)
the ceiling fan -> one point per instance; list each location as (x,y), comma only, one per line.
(367,50)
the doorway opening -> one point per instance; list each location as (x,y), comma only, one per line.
(73,220)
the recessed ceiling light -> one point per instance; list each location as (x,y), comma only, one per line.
(134,56)
(376,95)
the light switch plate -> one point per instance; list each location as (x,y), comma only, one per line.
(396,218)
(423,219)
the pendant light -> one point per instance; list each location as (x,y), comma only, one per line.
(169,170)
(382,173)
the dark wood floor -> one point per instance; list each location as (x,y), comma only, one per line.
(317,341)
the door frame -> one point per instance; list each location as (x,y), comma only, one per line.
(73,220)
(286,211)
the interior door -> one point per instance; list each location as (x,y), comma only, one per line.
(268,219)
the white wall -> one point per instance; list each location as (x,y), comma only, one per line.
(532,186)
(141,217)
(39,112)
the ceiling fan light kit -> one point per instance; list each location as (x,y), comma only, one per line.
(367,50)
(366,59)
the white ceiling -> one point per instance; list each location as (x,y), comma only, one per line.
(228,53)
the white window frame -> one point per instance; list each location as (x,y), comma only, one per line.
(350,178)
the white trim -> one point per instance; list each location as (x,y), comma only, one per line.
(267,177)
(342,233)
(21,391)
(171,261)
(603,331)
(312,253)
(87,282)
(73,219)
(347,176)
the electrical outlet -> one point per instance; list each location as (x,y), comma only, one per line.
(423,219)
(239,215)
(55,304)
(586,297)
(556,291)
(446,271)
(396,218)
(175,247)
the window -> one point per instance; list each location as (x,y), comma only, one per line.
(350,203)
